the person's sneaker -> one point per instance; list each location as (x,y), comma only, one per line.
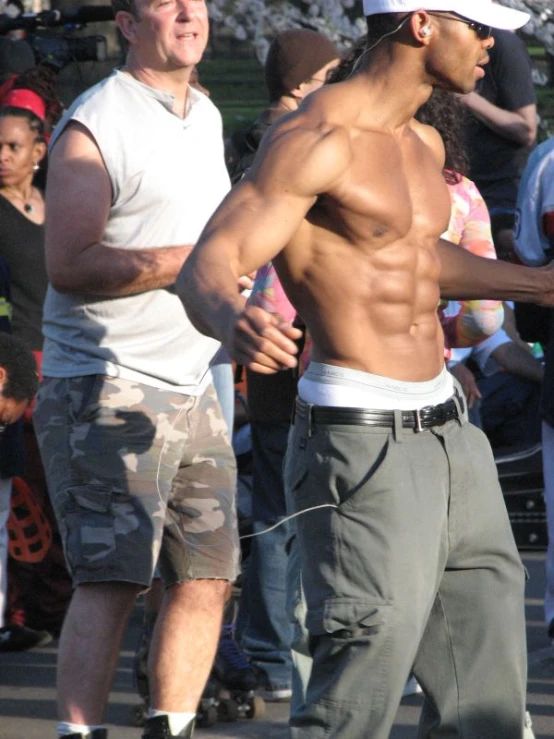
(21,638)
(528,728)
(271,692)
(232,667)
(412,687)
(157,727)
(275,694)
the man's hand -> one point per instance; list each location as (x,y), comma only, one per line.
(263,342)
(467,380)
(546,296)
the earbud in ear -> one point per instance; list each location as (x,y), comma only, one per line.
(426,31)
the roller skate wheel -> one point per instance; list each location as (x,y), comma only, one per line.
(227,710)
(207,717)
(138,715)
(255,707)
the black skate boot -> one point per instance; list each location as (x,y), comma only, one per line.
(207,713)
(157,727)
(140,670)
(232,667)
(237,679)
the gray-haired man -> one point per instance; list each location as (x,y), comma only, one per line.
(136,451)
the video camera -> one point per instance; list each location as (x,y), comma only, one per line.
(58,50)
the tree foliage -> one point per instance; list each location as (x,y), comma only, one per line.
(259,20)
(541,25)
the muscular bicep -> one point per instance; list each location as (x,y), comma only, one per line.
(254,225)
(78,198)
(265,210)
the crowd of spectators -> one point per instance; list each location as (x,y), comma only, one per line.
(38,590)
(506,211)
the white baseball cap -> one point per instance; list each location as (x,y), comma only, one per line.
(480,11)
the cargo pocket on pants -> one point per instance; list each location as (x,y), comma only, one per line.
(351,642)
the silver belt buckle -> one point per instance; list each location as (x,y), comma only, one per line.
(419,427)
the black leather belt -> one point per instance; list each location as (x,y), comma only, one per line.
(425,418)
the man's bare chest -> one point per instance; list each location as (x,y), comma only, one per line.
(390,195)
(390,202)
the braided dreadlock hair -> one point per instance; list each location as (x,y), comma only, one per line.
(42,81)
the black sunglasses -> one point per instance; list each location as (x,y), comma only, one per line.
(483,32)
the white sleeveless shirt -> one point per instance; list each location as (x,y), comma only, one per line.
(168,176)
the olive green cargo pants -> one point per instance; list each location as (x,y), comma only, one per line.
(411,562)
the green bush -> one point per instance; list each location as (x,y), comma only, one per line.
(237,88)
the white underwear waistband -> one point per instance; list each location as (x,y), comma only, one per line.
(329,385)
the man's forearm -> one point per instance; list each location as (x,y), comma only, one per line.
(513,358)
(113,272)
(507,123)
(465,276)
(217,322)
(212,301)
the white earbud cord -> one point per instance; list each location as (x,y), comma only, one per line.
(244,536)
(383,37)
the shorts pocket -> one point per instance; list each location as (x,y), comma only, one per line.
(82,397)
(87,526)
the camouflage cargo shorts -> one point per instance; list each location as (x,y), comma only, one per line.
(138,476)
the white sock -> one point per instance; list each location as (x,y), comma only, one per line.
(177,721)
(65,728)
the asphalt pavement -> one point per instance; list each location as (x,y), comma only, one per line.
(27,687)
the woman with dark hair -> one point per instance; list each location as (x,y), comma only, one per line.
(29,108)
(28,111)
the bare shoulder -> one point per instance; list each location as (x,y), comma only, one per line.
(431,138)
(78,181)
(307,152)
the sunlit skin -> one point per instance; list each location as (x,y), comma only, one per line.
(166,41)
(348,199)
(20,151)
(458,63)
